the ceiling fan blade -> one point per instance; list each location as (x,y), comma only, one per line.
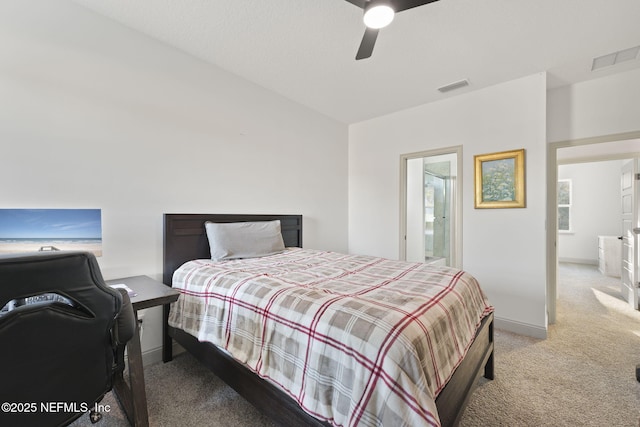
(400,5)
(368,41)
(359,3)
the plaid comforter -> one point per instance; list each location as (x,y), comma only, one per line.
(355,340)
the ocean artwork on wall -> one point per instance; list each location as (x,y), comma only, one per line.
(30,230)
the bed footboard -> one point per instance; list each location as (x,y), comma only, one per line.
(478,362)
(281,408)
(262,394)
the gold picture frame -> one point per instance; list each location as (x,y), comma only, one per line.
(499,180)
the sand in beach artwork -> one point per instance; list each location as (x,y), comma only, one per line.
(30,230)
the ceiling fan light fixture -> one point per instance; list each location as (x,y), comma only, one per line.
(378,14)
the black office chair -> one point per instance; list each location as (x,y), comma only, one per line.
(62,337)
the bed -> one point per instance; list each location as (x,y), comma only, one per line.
(185,240)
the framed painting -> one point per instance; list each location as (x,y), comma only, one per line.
(499,180)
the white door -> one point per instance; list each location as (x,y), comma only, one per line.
(415,210)
(630,228)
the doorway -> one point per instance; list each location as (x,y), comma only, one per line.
(431,207)
(609,147)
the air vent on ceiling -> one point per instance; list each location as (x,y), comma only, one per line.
(615,58)
(454,85)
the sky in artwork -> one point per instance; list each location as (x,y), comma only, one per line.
(50,223)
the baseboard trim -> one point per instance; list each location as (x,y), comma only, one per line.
(578,261)
(154,355)
(520,328)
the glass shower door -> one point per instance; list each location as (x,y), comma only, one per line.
(437,217)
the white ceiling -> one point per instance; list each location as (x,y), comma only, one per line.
(305,49)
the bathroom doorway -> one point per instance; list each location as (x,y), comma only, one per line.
(431,207)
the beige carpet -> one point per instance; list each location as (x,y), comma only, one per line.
(582,375)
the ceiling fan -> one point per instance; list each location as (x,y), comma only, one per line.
(379,14)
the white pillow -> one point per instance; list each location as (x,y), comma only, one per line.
(244,239)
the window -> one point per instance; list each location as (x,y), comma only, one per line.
(564,205)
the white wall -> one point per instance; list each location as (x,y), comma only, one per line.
(596,209)
(604,106)
(503,248)
(94,115)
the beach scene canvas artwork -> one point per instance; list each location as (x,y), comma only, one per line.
(30,230)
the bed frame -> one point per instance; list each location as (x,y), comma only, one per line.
(185,239)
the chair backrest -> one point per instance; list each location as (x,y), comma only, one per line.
(56,350)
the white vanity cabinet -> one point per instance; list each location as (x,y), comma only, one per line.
(609,255)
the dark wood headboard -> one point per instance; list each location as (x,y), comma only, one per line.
(185,237)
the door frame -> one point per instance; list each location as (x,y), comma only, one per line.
(456,229)
(552,204)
